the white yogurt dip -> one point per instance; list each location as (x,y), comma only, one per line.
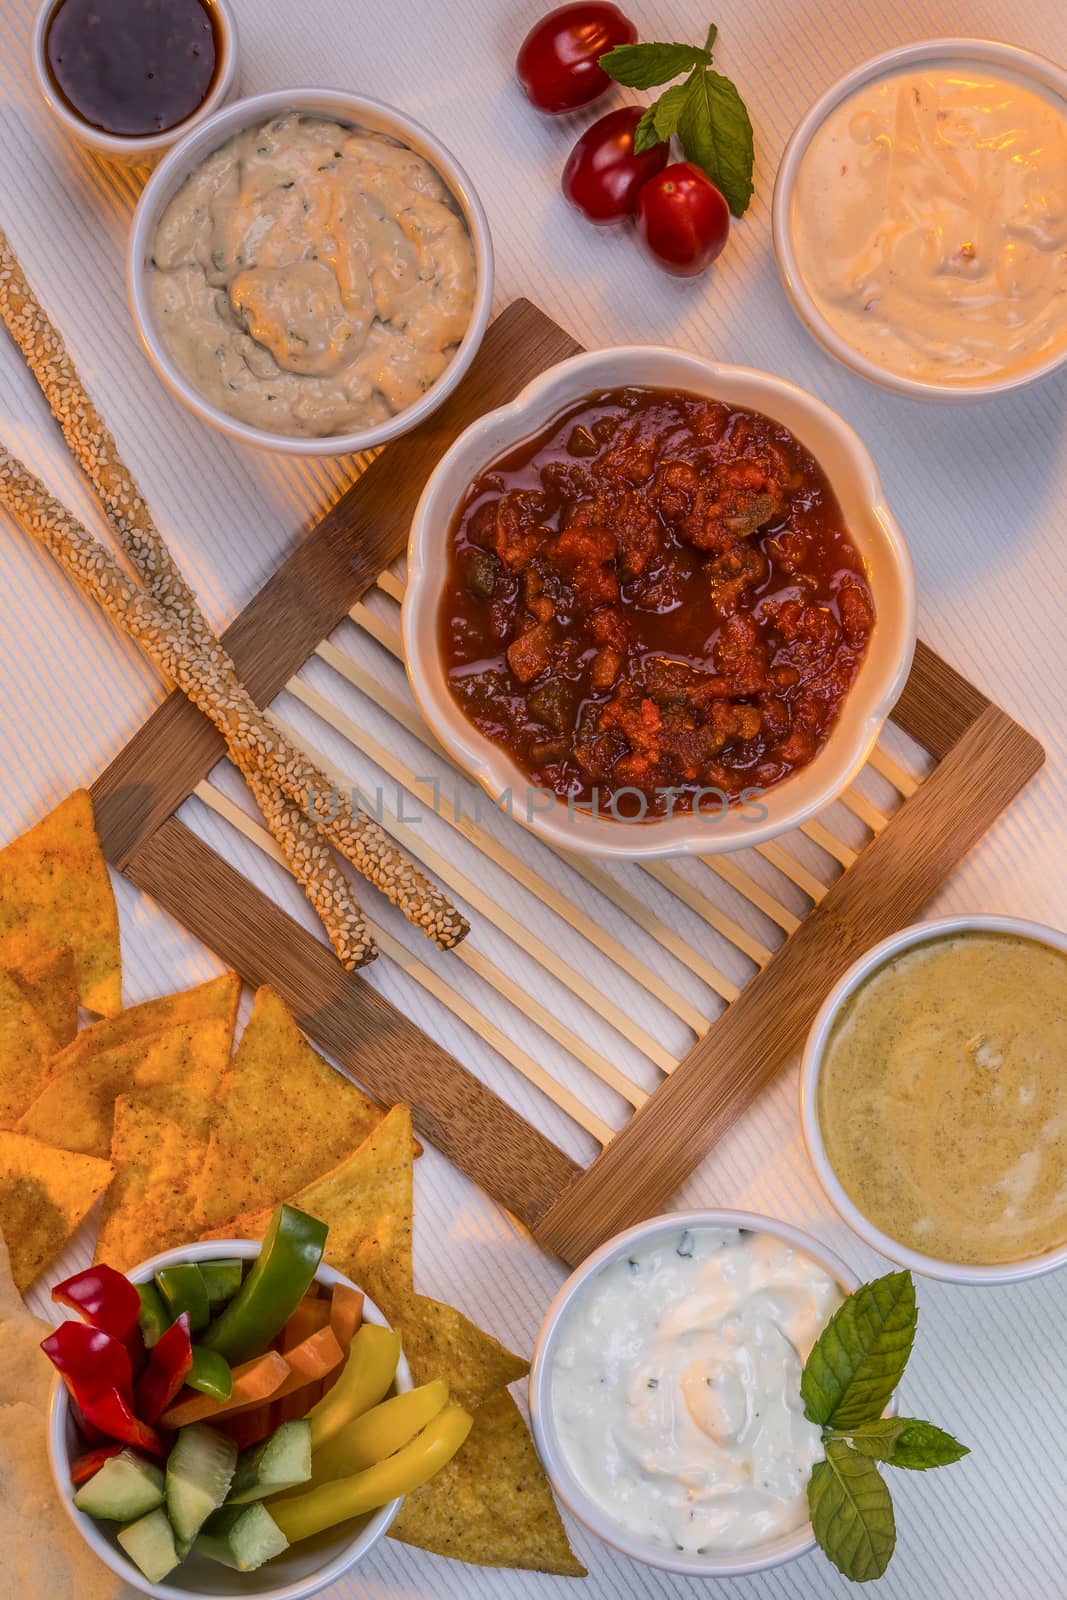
(312,279)
(675,1387)
(929,221)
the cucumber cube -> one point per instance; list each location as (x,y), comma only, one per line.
(149,1543)
(127,1486)
(242,1537)
(199,1472)
(280,1462)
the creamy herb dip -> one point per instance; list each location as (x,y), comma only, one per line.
(312,279)
(929,220)
(675,1387)
(942,1098)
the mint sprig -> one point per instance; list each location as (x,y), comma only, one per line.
(706,111)
(848,1379)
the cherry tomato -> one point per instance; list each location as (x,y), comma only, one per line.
(602,175)
(683,220)
(557,62)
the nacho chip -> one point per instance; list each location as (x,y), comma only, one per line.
(55,893)
(286,1117)
(47,984)
(23,1065)
(440,1342)
(216,999)
(44,1194)
(149,1206)
(366,1201)
(491,1505)
(178,1071)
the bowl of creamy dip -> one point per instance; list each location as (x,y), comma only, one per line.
(665,1390)
(934,1098)
(310,271)
(920,219)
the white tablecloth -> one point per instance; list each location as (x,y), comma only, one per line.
(981,492)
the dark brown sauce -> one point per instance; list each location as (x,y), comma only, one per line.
(133,67)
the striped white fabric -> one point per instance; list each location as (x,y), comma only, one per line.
(981,491)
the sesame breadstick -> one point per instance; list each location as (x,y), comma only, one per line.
(232,709)
(93,446)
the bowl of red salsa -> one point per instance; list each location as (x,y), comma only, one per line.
(658,605)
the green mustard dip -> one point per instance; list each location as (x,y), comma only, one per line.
(942,1098)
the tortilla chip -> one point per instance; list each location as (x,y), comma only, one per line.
(48,987)
(55,893)
(178,1071)
(149,1205)
(23,1065)
(491,1505)
(366,1201)
(215,1000)
(44,1194)
(440,1342)
(286,1116)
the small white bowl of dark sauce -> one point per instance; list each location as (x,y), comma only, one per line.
(130,80)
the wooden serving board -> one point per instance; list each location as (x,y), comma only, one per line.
(980,759)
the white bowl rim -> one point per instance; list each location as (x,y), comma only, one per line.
(993,52)
(494,769)
(136,147)
(371,1533)
(214,131)
(907,938)
(726,1564)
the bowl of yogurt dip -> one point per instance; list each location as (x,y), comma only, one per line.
(310,271)
(920,219)
(934,1099)
(665,1390)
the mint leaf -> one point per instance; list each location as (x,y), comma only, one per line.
(851,1512)
(857,1360)
(716,134)
(660,120)
(907,1442)
(641,66)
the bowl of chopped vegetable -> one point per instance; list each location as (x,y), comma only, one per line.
(236,1418)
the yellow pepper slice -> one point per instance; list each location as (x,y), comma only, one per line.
(410,1467)
(368,1372)
(379,1433)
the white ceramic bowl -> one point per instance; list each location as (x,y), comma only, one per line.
(874,532)
(989,54)
(117,147)
(351,109)
(814,1052)
(728,1564)
(305,1568)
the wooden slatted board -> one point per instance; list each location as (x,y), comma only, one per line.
(819,901)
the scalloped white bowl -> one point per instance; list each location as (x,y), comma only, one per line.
(304,1569)
(874,531)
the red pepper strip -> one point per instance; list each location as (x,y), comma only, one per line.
(88,1465)
(110,1411)
(89,1360)
(102,1297)
(168,1364)
(92,1436)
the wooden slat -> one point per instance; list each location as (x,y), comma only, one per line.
(315,588)
(443,991)
(341,1013)
(788,864)
(938,704)
(753,892)
(885,890)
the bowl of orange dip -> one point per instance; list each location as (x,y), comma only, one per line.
(934,1098)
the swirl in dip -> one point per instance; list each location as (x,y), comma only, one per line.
(929,220)
(312,279)
(942,1098)
(675,1388)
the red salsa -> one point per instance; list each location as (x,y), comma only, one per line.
(654,603)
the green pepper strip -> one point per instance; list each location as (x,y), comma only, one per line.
(273,1289)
